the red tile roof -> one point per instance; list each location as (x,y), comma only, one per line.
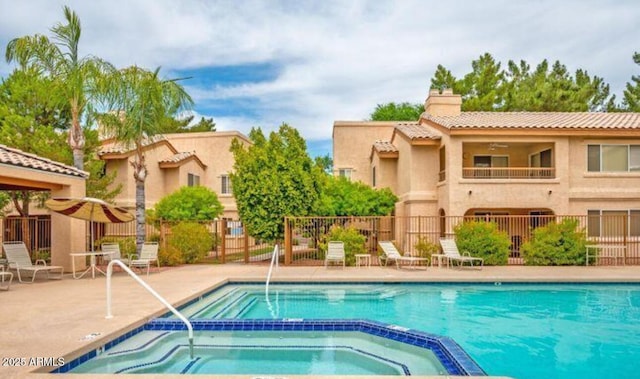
(538,120)
(414,131)
(15,157)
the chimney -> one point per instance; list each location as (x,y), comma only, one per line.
(443,104)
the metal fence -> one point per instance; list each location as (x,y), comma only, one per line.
(616,236)
(607,232)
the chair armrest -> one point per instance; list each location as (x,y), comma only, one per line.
(41,262)
(466,253)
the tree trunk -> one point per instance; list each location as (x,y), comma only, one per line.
(76,138)
(140,216)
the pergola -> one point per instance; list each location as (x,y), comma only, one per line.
(24,171)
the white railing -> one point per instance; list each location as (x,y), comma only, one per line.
(153,292)
(274,263)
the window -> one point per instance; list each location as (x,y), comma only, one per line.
(613,223)
(442,164)
(345,173)
(193,180)
(226,189)
(613,158)
(541,159)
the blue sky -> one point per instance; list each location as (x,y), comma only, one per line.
(310,63)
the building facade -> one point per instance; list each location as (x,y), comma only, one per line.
(454,163)
(174,161)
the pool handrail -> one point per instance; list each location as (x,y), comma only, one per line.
(153,292)
(274,261)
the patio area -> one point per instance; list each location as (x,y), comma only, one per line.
(52,319)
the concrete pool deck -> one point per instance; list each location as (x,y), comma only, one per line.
(66,318)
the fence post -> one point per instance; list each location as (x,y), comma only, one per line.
(287,242)
(223,240)
(246,246)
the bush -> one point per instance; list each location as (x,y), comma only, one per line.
(426,248)
(483,240)
(170,256)
(353,242)
(188,203)
(192,240)
(556,244)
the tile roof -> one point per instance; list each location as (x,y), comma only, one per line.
(176,158)
(15,157)
(384,147)
(119,148)
(537,120)
(414,130)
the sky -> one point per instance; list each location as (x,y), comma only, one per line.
(310,63)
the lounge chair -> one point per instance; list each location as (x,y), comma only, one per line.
(390,253)
(335,253)
(450,250)
(148,255)
(5,279)
(19,260)
(114,249)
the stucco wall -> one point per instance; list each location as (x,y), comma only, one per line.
(352,143)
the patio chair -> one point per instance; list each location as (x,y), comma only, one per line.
(148,255)
(19,260)
(335,253)
(5,277)
(114,249)
(390,253)
(450,250)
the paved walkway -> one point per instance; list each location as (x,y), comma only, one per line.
(57,318)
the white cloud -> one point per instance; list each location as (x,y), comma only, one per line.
(339,59)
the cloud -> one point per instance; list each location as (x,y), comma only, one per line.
(309,63)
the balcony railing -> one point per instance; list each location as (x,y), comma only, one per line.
(508,172)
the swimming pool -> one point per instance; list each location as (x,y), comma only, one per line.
(519,330)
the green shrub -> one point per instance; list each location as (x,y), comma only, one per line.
(484,240)
(353,242)
(170,256)
(556,244)
(193,240)
(426,248)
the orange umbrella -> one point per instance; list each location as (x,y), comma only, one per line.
(90,209)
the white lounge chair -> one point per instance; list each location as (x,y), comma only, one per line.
(114,249)
(450,250)
(335,253)
(390,253)
(19,260)
(5,279)
(148,255)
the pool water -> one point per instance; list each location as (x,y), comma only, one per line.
(260,352)
(521,330)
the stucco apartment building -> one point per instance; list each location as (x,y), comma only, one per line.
(174,161)
(454,163)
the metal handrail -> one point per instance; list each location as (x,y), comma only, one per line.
(153,292)
(274,262)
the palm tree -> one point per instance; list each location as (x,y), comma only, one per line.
(140,102)
(58,58)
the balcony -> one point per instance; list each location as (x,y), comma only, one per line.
(508,160)
(508,172)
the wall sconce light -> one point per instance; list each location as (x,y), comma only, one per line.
(550,192)
(470,192)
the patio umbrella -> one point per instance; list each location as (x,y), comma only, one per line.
(90,209)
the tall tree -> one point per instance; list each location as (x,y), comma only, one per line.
(74,76)
(481,89)
(397,112)
(273,178)
(443,79)
(140,101)
(631,100)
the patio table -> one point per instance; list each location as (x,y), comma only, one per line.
(92,267)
